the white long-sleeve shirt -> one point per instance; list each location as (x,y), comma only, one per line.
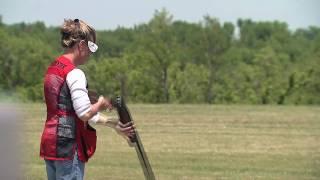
(77,84)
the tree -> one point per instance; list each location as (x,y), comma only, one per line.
(216,39)
(159,41)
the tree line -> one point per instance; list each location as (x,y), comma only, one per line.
(173,61)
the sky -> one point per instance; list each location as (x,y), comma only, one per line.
(107,14)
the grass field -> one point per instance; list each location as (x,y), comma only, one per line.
(198,142)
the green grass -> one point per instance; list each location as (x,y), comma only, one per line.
(198,142)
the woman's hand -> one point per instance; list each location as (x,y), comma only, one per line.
(125,130)
(104,103)
(101,104)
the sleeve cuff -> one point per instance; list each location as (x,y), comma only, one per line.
(95,118)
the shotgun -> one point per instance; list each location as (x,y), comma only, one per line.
(125,117)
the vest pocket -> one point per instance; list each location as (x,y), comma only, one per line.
(88,141)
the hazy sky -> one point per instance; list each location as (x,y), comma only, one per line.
(106,14)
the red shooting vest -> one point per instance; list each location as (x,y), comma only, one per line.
(63,131)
